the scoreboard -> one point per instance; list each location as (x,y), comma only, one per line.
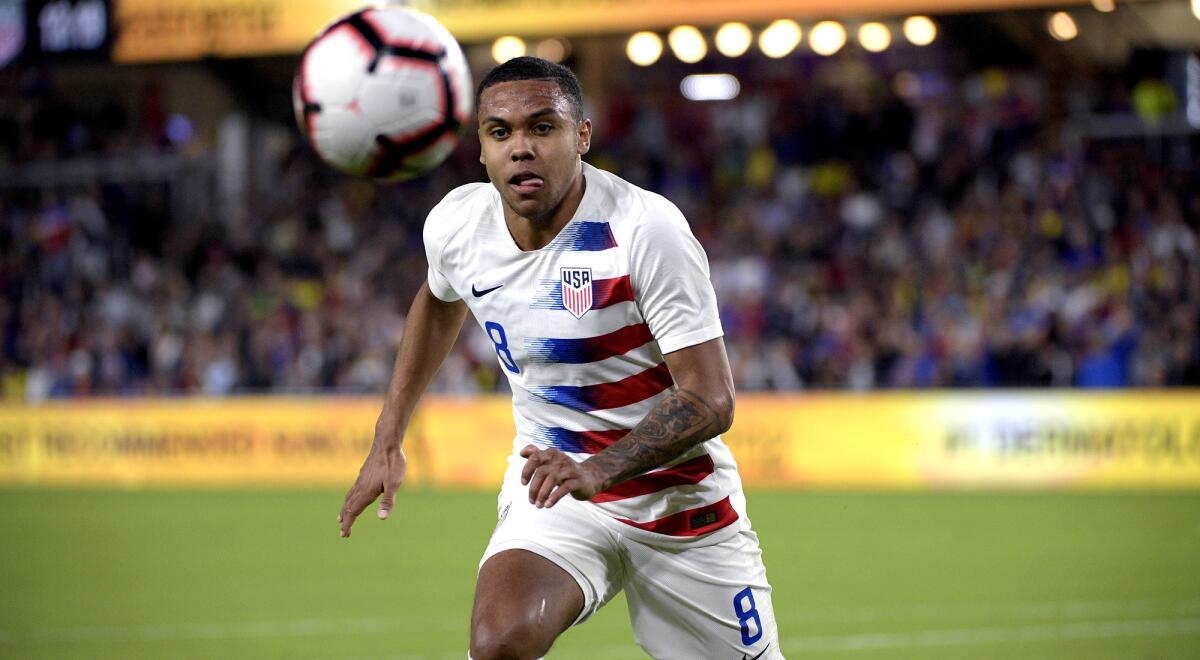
(55,30)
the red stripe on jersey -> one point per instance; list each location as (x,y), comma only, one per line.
(621,341)
(594,442)
(611,291)
(688,473)
(605,396)
(588,349)
(707,519)
(631,390)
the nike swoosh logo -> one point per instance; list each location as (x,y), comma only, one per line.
(479,294)
(759,653)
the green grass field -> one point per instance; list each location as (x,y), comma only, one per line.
(263,574)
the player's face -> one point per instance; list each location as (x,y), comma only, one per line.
(531,144)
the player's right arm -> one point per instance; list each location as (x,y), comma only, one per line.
(430,330)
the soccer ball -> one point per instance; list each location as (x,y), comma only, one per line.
(383,93)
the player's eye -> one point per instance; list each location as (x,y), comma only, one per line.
(543,128)
(498,133)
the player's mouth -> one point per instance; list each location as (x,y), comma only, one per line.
(525,183)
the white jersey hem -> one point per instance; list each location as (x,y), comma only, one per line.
(678,342)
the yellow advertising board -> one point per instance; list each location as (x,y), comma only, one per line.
(870,441)
(149,30)
(156,30)
(244,441)
(956,440)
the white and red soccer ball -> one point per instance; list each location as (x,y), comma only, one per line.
(383,93)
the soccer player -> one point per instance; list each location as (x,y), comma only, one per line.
(597,298)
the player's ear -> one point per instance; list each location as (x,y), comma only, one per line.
(585,136)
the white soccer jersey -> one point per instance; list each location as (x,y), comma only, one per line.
(580,328)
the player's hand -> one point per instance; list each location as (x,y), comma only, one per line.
(381,474)
(552,474)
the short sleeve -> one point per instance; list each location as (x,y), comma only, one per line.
(435,239)
(669,274)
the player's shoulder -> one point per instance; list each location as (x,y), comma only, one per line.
(463,203)
(635,210)
(458,210)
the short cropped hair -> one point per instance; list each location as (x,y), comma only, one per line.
(535,68)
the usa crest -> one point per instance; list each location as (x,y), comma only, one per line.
(577,290)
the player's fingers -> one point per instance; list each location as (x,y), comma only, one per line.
(565,487)
(552,477)
(345,505)
(528,450)
(351,498)
(388,501)
(535,485)
(534,459)
(356,501)
(347,520)
(350,494)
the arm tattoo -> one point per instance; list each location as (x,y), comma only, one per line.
(678,423)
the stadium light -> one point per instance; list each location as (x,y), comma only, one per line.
(919,30)
(506,48)
(1062,27)
(710,87)
(644,48)
(555,50)
(687,43)
(1105,6)
(733,39)
(780,38)
(827,37)
(1196,9)
(874,37)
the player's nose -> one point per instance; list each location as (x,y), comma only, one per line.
(520,148)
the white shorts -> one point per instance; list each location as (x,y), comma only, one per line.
(686,602)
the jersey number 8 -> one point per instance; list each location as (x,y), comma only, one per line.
(496,334)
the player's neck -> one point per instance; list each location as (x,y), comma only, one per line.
(536,233)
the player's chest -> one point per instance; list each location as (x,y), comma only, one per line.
(544,286)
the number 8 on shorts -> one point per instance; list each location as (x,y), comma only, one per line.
(747,611)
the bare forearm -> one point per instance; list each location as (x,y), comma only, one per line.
(430,330)
(678,423)
(429,333)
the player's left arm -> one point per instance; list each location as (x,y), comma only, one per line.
(699,409)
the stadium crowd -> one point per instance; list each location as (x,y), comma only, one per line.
(864,231)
